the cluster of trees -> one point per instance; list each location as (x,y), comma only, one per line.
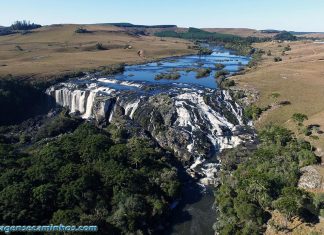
(242,45)
(254,182)
(253,112)
(20,100)
(285,36)
(239,44)
(256,57)
(123,184)
(24,25)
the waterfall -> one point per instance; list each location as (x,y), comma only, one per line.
(89,105)
(130,108)
(82,101)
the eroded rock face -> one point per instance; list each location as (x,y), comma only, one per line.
(194,123)
(311,178)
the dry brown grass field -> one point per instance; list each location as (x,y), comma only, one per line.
(56,49)
(298,78)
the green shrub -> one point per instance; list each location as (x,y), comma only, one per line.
(299,117)
(100,47)
(81,30)
(168,76)
(203,72)
(275,95)
(204,51)
(221,73)
(112,69)
(306,158)
(219,66)
(228,83)
(252,112)
(287,48)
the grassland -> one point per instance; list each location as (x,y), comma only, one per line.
(52,50)
(298,78)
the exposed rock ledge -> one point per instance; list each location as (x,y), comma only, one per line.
(311,178)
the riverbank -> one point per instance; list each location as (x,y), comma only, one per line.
(57,50)
(290,73)
(297,79)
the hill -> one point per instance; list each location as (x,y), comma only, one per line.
(57,50)
(243,32)
(298,78)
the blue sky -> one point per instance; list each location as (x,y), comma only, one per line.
(298,15)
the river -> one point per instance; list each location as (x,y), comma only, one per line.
(194,214)
(96,97)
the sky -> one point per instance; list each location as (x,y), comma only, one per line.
(295,15)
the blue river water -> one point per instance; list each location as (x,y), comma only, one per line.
(147,72)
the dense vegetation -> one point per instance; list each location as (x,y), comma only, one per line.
(203,72)
(24,25)
(285,36)
(221,73)
(121,182)
(239,44)
(19,100)
(6,31)
(253,112)
(168,76)
(254,182)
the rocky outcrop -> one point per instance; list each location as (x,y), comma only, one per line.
(193,123)
(311,178)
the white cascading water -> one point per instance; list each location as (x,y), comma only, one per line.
(131,108)
(89,105)
(194,115)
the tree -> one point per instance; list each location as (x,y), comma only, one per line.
(290,203)
(24,25)
(299,118)
(287,206)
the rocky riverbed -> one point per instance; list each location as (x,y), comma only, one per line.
(189,117)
